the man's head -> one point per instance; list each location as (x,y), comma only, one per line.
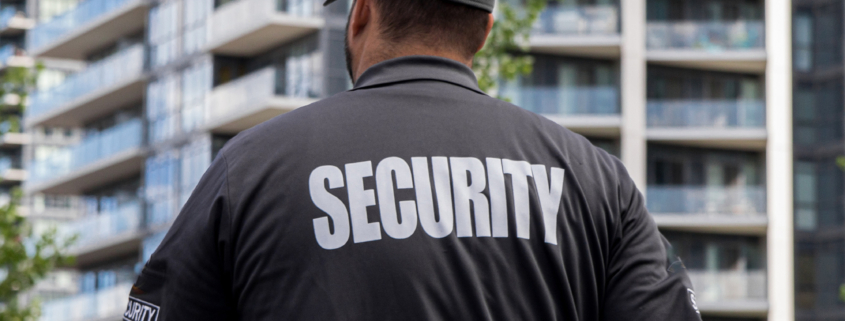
(378,30)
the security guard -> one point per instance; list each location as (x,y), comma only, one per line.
(413,196)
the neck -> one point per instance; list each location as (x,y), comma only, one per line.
(376,53)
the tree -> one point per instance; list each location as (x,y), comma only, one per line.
(502,57)
(25,257)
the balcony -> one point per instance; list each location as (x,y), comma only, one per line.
(720,209)
(590,111)
(106,235)
(729,46)
(731,293)
(10,171)
(112,155)
(732,124)
(591,31)
(250,27)
(53,207)
(105,304)
(12,56)
(102,88)
(257,97)
(13,22)
(92,25)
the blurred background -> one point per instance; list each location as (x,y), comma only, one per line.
(727,113)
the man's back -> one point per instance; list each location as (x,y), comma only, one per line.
(414,196)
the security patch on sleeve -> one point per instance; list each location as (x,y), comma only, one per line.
(140,310)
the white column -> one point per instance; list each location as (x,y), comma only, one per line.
(779,160)
(633,81)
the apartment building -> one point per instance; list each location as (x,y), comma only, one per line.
(695,97)
(13,26)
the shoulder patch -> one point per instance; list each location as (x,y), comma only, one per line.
(691,295)
(140,310)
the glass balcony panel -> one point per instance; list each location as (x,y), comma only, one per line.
(103,226)
(550,100)
(722,286)
(98,305)
(577,20)
(6,52)
(6,15)
(707,113)
(87,11)
(713,36)
(740,200)
(93,148)
(121,66)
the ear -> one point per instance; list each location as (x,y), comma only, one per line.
(490,21)
(360,17)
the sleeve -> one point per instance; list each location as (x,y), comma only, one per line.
(643,282)
(187,276)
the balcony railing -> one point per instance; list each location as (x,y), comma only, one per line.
(99,305)
(293,81)
(66,23)
(707,113)
(121,66)
(713,36)
(93,148)
(577,20)
(101,227)
(741,200)
(564,101)
(726,286)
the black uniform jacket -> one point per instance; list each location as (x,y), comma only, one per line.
(413,196)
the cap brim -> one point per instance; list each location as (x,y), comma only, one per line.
(328,2)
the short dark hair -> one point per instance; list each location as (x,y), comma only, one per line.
(434,23)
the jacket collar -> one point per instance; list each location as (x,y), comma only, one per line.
(411,68)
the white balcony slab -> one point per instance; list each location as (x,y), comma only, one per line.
(93,105)
(102,31)
(13,175)
(725,138)
(751,60)
(8,140)
(250,27)
(17,25)
(117,246)
(713,223)
(758,308)
(256,113)
(603,126)
(589,46)
(108,170)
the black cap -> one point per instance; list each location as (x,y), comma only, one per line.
(486,5)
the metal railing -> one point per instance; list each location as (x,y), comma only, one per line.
(121,66)
(714,36)
(98,305)
(564,101)
(739,200)
(87,11)
(721,286)
(93,148)
(578,20)
(707,113)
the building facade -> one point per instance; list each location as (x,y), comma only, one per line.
(695,97)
